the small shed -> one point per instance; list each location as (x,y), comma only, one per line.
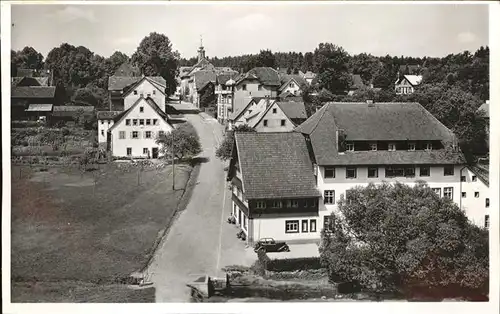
(36,111)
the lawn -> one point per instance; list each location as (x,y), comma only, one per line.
(96,227)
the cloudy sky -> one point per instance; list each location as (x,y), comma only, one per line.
(235,29)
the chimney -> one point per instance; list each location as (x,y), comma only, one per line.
(370,103)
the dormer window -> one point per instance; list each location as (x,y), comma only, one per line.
(428,146)
(135,92)
(411,147)
(391,147)
(373,147)
(349,147)
(154,92)
(244,87)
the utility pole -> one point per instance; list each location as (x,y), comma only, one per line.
(173,162)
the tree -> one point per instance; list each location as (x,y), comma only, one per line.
(28,58)
(208,99)
(266,59)
(186,142)
(330,62)
(116,60)
(225,149)
(397,238)
(154,56)
(91,96)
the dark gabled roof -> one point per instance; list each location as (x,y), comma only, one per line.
(275,165)
(482,172)
(71,111)
(357,81)
(107,115)
(485,108)
(266,75)
(223,77)
(382,122)
(33,92)
(202,78)
(293,109)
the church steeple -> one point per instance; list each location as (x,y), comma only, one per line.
(201,51)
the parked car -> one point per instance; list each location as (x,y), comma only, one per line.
(270,245)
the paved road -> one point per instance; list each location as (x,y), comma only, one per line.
(192,245)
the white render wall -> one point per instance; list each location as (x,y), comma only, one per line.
(274,121)
(102,129)
(340,184)
(146,89)
(292,88)
(475,207)
(119,146)
(275,228)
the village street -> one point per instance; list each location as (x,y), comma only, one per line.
(194,243)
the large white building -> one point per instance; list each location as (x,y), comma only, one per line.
(346,145)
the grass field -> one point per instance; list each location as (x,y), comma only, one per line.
(66,229)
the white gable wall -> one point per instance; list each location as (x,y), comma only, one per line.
(274,116)
(102,129)
(474,204)
(119,146)
(145,88)
(292,87)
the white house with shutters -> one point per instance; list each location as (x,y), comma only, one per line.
(134,131)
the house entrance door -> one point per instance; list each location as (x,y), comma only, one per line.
(155,152)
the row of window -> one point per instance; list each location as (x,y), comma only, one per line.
(286,203)
(135,122)
(307,225)
(349,147)
(142,93)
(136,134)
(145,151)
(390,171)
(244,87)
(282,122)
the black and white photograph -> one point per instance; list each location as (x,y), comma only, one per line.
(249,152)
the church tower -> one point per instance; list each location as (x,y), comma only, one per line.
(201,51)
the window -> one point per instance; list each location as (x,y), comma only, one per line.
(312,225)
(161,133)
(373,147)
(305,225)
(487,202)
(127,121)
(265,122)
(411,146)
(134,122)
(409,172)
(350,172)
(277,204)
(327,223)
(464,194)
(260,204)
(295,203)
(448,170)
(372,172)
(329,172)
(135,92)
(283,122)
(259,87)
(463,179)
(292,85)
(275,110)
(487,221)
(476,194)
(148,134)
(394,171)
(474,178)
(135,134)
(448,193)
(102,121)
(349,147)
(155,121)
(428,146)
(148,121)
(437,191)
(312,203)
(141,109)
(425,171)
(329,197)
(129,151)
(149,94)
(291,226)
(145,151)
(244,87)
(102,132)
(154,92)
(141,121)
(121,135)
(391,147)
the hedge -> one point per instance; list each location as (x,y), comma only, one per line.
(26,124)
(288,264)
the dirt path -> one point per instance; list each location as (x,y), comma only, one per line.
(193,242)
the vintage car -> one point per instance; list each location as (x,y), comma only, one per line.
(270,245)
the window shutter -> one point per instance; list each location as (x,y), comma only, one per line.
(152,134)
(131,134)
(144,135)
(138,134)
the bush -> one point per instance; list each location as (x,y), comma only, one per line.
(26,124)
(65,131)
(292,264)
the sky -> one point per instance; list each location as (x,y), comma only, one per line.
(240,28)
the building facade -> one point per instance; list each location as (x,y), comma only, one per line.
(281,117)
(475,194)
(407,83)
